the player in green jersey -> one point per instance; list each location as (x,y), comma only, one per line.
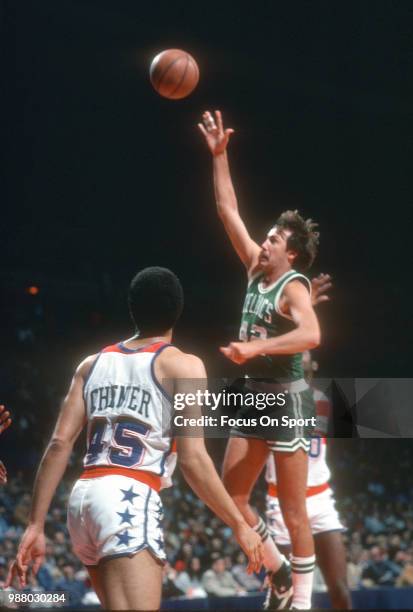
(278,323)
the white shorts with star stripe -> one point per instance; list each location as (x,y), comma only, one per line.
(114,516)
(321,512)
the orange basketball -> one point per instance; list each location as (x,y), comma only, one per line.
(174,74)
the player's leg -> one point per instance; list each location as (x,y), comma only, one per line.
(131,583)
(331,559)
(292,469)
(93,572)
(243,462)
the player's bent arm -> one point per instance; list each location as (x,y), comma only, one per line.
(53,464)
(305,336)
(227,207)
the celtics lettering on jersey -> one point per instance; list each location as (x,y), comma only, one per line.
(261,318)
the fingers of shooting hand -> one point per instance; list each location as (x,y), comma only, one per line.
(218,118)
(202,129)
(209,123)
(207,118)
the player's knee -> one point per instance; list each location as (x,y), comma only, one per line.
(294,518)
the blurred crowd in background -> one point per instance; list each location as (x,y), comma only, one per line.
(203,557)
(372,478)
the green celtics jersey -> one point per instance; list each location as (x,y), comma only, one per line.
(261,318)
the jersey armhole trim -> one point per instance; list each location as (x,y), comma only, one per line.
(155,380)
(296,276)
(165,457)
(89,374)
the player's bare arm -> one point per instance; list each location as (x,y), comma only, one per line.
(195,463)
(217,139)
(296,302)
(52,467)
(5,419)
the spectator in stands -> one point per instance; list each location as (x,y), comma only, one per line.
(189,580)
(405,579)
(169,588)
(218,582)
(75,589)
(379,571)
(249,582)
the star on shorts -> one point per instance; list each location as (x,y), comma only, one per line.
(124,538)
(126,516)
(129,495)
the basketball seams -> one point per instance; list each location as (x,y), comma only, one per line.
(173,92)
(165,71)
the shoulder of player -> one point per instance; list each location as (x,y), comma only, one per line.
(296,288)
(84,366)
(177,364)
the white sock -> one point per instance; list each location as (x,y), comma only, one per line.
(302,575)
(273,559)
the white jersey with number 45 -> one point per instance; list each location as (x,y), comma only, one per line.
(127,411)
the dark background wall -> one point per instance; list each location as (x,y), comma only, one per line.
(104,177)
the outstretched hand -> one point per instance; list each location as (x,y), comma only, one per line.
(213,130)
(320,285)
(31,552)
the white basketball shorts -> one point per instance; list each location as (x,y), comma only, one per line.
(322,514)
(114,516)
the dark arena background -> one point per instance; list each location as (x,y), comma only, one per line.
(103,177)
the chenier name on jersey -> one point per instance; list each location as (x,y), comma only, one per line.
(119,397)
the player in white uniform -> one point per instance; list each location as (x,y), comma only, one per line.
(115,512)
(322,514)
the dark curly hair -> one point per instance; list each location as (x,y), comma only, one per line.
(303,240)
(155,300)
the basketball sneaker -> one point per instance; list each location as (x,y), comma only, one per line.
(280,589)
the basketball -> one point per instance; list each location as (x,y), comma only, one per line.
(174,74)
